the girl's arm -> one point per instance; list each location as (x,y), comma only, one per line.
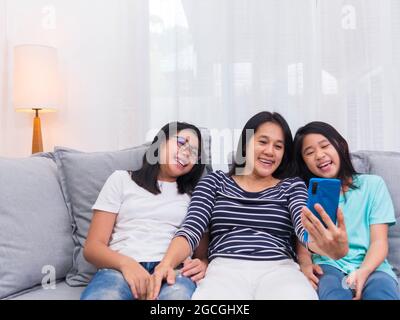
(96,249)
(97,252)
(376,254)
(378,249)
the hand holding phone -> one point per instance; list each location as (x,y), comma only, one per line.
(325,192)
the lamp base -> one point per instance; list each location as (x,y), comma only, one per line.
(37,143)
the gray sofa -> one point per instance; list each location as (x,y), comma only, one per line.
(45,212)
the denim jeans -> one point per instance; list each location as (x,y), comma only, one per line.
(109,284)
(379,286)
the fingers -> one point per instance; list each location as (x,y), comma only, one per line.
(313,278)
(358,290)
(193,271)
(143,283)
(325,217)
(317,269)
(157,280)
(192,268)
(150,288)
(306,219)
(171,276)
(340,219)
(189,264)
(314,285)
(314,220)
(198,277)
(133,289)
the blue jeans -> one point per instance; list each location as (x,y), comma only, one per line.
(109,284)
(379,286)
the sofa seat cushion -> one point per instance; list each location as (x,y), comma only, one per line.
(62,291)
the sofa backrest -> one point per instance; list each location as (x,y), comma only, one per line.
(386,165)
(35,227)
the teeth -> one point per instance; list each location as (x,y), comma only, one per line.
(181,163)
(266,161)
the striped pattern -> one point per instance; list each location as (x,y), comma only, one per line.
(245,225)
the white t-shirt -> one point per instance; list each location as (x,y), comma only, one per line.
(146,223)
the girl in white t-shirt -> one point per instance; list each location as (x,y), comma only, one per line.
(136,216)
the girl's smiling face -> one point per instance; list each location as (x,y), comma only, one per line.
(179,154)
(320,156)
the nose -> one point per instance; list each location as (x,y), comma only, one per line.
(185,150)
(269,149)
(319,154)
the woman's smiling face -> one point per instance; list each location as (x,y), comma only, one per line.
(265,150)
(320,156)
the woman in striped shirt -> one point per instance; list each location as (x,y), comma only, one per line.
(253,214)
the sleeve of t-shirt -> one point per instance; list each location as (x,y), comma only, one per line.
(297,200)
(110,197)
(382,210)
(199,212)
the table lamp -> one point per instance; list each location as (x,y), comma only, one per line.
(36,85)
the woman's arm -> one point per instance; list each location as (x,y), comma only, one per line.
(376,254)
(97,252)
(306,265)
(188,237)
(201,251)
(196,267)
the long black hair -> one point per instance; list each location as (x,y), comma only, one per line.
(147,176)
(285,169)
(346,170)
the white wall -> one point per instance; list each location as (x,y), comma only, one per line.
(100,68)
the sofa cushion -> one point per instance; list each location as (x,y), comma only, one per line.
(387,165)
(360,162)
(62,291)
(82,176)
(35,227)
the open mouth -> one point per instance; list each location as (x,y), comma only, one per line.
(181,163)
(267,162)
(325,166)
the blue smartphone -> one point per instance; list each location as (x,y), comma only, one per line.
(326,192)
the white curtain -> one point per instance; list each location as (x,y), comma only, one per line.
(3,73)
(217,62)
(130,66)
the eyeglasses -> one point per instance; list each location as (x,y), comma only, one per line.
(183,144)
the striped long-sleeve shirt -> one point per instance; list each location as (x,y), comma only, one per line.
(245,225)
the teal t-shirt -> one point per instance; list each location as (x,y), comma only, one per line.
(369,204)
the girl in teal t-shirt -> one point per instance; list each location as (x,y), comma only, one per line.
(364,273)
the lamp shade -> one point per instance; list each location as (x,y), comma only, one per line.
(36,83)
